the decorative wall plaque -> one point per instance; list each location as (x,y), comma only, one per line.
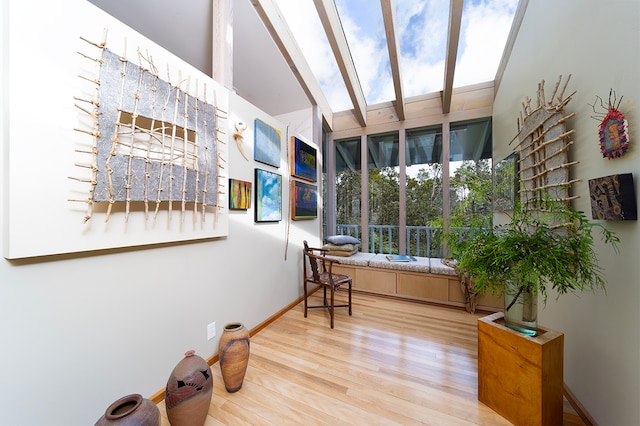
(613,197)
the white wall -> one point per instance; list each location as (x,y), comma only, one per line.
(80,330)
(597,43)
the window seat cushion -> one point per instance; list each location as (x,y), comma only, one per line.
(437,267)
(421,264)
(358,259)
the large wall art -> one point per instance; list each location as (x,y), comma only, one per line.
(155,142)
(114,143)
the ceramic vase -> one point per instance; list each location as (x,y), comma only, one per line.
(233,349)
(188,393)
(131,410)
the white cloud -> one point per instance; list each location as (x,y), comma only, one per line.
(370,54)
(302,18)
(481,47)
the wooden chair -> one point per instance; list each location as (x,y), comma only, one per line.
(322,275)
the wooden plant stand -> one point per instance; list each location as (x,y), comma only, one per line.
(520,377)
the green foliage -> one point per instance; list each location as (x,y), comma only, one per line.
(471,194)
(552,247)
(424,196)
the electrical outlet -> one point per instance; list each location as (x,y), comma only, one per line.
(211,330)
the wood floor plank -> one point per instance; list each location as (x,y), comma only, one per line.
(390,363)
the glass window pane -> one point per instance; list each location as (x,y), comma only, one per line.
(325,210)
(422,33)
(364,30)
(384,195)
(348,187)
(304,22)
(424,191)
(470,171)
(484,31)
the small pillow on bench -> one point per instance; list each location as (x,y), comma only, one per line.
(342,239)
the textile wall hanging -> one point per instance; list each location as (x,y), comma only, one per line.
(61,167)
(542,144)
(613,197)
(155,142)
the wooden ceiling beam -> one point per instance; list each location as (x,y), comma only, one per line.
(388,15)
(281,34)
(338,41)
(453,38)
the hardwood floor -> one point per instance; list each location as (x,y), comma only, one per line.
(392,362)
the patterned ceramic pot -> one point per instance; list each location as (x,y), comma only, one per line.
(188,392)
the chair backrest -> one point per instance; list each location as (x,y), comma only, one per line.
(308,254)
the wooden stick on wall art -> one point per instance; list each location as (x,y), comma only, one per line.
(153,141)
(543,142)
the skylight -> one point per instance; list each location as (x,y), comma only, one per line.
(484,32)
(364,29)
(422,32)
(303,20)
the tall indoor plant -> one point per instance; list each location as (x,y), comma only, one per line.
(549,246)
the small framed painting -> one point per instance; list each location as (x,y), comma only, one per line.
(303,160)
(239,194)
(268,196)
(305,201)
(266,143)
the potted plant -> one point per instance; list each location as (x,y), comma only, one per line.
(549,246)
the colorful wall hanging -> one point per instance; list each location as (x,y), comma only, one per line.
(303,160)
(613,197)
(613,132)
(305,201)
(239,194)
(266,143)
(268,196)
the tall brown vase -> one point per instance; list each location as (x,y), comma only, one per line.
(233,349)
(130,410)
(188,393)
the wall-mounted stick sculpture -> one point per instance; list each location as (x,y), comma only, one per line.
(543,142)
(153,141)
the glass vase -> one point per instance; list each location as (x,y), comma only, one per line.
(521,308)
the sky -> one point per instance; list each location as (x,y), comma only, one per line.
(422,32)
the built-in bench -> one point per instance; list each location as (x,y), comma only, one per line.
(425,279)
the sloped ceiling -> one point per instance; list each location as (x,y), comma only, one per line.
(260,74)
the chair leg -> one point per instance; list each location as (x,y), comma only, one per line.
(333,290)
(305,298)
(349,298)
